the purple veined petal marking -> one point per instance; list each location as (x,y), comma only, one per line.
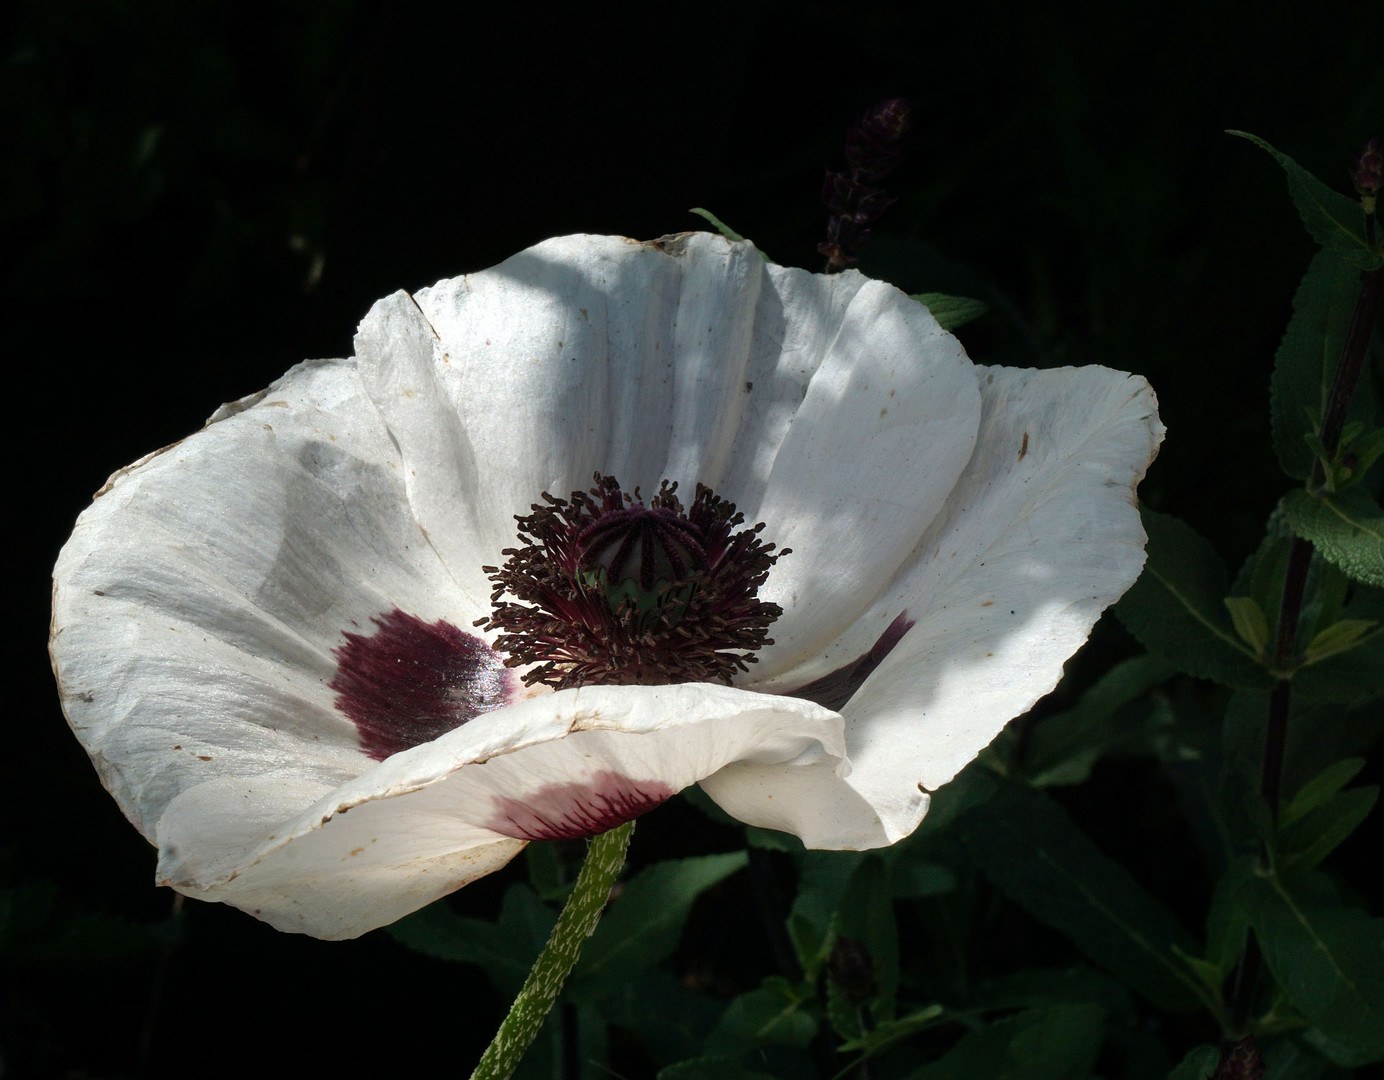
(835,688)
(411,681)
(575,810)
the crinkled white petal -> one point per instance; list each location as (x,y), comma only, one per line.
(337,861)
(1040,534)
(834,409)
(199,600)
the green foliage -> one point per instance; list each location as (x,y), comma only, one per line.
(504,949)
(1062,748)
(1042,861)
(772,1015)
(1199,1064)
(1329,960)
(951,311)
(1056,1043)
(1334,220)
(1307,358)
(1176,609)
(644,924)
(1347,528)
(725,230)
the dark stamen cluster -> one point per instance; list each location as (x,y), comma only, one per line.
(613,591)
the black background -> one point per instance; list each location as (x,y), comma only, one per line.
(198,195)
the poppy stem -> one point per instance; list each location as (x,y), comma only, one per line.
(605,855)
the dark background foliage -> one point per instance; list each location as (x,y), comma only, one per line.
(198,195)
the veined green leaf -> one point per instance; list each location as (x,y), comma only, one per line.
(1176,607)
(1335,221)
(1347,528)
(1307,357)
(1028,846)
(1322,787)
(1305,843)
(1329,959)
(644,925)
(1249,622)
(1056,1043)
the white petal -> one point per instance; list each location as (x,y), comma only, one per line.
(886,426)
(1038,537)
(336,863)
(200,597)
(835,409)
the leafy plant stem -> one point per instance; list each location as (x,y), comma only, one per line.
(605,855)
(1353,352)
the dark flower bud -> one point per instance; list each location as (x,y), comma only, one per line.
(1240,1061)
(1367,167)
(852,970)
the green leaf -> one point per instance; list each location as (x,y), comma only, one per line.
(892,1031)
(670,1018)
(1175,608)
(1329,960)
(643,926)
(1062,748)
(951,311)
(1334,220)
(505,949)
(1227,919)
(822,880)
(725,230)
(1028,846)
(1347,528)
(772,1015)
(1355,674)
(1307,357)
(1199,1064)
(866,913)
(1305,843)
(1249,622)
(1322,787)
(710,1068)
(1057,1043)
(1337,638)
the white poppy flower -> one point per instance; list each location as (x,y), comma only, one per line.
(276,637)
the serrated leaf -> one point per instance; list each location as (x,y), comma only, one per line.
(725,230)
(1199,1064)
(1175,609)
(1335,221)
(951,311)
(892,1031)
(1347,528)
(1028,846)
(1249,622)
(1329,960)
(1307,842)
(1057,1043)
(1305,363)
(643,926)
(1062,748)
(1322,787)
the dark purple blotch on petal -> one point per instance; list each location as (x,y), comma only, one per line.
(836,688)
(575,810)
(411,681)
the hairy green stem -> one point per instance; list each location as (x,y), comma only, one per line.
(605,855)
